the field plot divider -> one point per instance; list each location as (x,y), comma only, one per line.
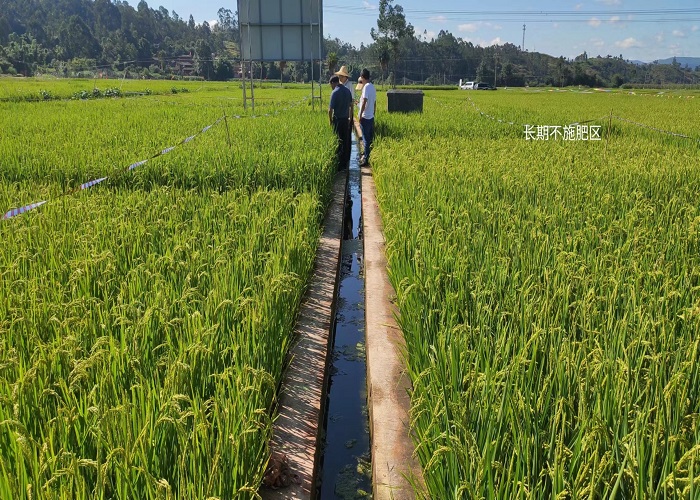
(612,116)
(18,211)
(228,132)
(486,115)
(26,208)
(87,185)
(655,129)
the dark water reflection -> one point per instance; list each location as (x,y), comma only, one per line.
(345,471)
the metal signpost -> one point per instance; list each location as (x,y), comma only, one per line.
(281,30)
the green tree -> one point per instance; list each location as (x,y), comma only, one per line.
(392,28)
(227,21)
(507,73)
(5,30)
(383,57)
(203,64)
(332,61)
(293,71)
(78,41)
(145,52)
(5,65)
(581,57)
(484,73)
(107,18)
(559,72)
(23,53)
(283,65)
(223,69)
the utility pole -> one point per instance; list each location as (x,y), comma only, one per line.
(495,68)
(523,46)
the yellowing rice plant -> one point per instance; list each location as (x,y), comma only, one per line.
(549,293)
(144,323)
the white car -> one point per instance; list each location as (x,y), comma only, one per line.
(467,85)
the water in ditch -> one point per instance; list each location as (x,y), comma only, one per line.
(345,467)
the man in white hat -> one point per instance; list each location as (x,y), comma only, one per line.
(344,78)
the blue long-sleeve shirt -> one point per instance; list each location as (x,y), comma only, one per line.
(341,100)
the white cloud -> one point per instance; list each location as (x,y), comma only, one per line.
(695,28)
(480,42)
(610,2)
(429,35)
(628,43)
(438,19)
(594,21)
(597,43)
(468,28)
(659,37)
(474,27)
(368,6)
(618,21)
(213,23)
(578,6)
(678,33)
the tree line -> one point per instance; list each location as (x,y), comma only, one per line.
(78,36)
(85,37)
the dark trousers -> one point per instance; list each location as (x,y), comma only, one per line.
(350,132)
(367,126)
(342,153)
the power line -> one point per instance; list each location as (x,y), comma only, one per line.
(576,13)
(535,20)
(536,16)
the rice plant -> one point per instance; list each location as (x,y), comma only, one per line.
(549,293)
(144,323)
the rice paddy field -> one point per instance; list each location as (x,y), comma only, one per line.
(14,89)
(144,322)
(549,292)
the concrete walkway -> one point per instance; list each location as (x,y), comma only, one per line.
(387,382)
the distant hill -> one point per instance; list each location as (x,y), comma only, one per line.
(41,35)
(87,38)
(692,62)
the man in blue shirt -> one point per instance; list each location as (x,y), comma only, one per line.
(339,113)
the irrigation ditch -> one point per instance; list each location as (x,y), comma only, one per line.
(345,467)
(343,425)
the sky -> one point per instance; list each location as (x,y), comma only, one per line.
(641,30)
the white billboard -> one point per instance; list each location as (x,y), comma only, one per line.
(281,30)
